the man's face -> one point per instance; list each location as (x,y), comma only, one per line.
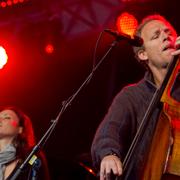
(159,39)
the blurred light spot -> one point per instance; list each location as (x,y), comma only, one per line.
(126,23)
(49,49)
(3,57)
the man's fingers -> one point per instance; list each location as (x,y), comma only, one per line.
(110,165)
(119,168)
(102,172)
(177,52)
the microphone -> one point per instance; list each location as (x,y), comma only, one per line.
(136,41)
(177,44)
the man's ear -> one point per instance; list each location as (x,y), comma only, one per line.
(142,55)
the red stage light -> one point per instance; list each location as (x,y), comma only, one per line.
(15,1)
(9,3)
(3,57)
(126,23)
(3,4)
(49,48)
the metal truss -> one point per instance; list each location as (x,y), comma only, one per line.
(75,16)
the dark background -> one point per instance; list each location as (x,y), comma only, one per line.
(38,83)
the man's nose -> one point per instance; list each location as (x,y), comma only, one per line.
(165,36)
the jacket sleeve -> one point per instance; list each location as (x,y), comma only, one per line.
(115,132)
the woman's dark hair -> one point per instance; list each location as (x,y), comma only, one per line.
(25,140)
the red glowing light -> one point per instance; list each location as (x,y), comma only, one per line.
(3,4)
(49,48)
(126,23)
(15,1)
(9,3)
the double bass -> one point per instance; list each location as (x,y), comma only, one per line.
(164,150)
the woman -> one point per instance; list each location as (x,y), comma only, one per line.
(16,142)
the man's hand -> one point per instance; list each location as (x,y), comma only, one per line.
(177,45)
(110,163)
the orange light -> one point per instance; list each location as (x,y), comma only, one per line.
(49,48)
(87,168)
(3,57)
(126,23)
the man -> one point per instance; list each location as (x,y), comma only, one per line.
(116,132)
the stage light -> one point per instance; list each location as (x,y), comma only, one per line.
(9,3)
(49,48)
(3,57)
(15,1)
(126,23)
(3,4)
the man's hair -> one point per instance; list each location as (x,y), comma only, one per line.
(146,20)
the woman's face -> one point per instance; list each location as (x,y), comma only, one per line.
(9,124)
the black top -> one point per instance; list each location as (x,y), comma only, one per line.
(37,172)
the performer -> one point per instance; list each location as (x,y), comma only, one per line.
(16,141)
(116,132)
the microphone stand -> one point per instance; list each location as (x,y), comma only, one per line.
(35,167)
(65,104)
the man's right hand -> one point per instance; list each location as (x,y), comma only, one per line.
(110,163)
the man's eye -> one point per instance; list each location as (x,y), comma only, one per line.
(155,36)
(170,33)
(7,117)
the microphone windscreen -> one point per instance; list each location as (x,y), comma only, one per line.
(177,44)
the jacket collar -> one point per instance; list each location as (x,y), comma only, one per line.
(148,77)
